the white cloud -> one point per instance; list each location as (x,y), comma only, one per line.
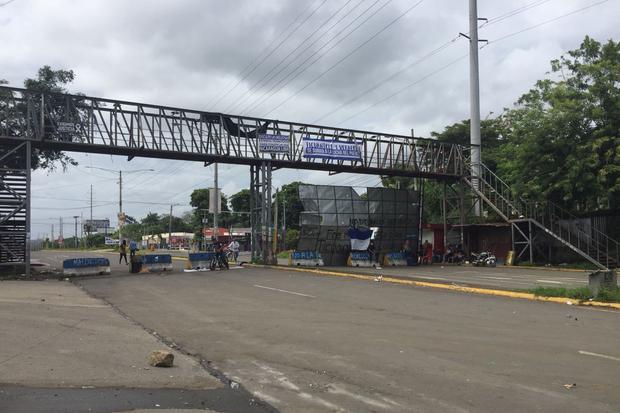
(184,53)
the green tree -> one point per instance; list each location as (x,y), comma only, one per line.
(491,136)
(289,195)
(51,81)
(199,200)
(564,135)
(240,201)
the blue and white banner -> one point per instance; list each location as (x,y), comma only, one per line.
(360,238)
(274,143)
(317,148)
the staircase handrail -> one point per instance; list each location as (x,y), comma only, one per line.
(566,215)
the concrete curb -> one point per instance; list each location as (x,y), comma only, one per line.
(517,267)
(449,287)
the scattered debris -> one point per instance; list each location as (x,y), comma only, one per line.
(234,385)
(161,358)
(379,278)
(570,386)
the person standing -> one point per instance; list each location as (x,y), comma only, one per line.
(234,247)
(123,250)
(133,247)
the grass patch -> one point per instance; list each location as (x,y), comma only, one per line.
(581,293)
(609,296)
(284,254)
(573,266)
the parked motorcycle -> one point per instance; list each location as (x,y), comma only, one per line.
(483,259)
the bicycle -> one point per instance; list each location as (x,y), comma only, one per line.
(218,260)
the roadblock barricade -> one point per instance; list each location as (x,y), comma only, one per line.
(394,259)
(200,260)
(306,259)
(360,259)
(85,266)
(156,262)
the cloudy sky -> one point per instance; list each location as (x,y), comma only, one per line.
(314,61)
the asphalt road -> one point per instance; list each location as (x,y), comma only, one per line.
(314,343)
(512,278)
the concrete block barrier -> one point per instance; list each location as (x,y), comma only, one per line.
(306,259)
(360,259)
(394,259)
(85,266)
(156,262)
(200,260)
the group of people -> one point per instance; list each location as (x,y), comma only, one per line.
(453,254)
(122,249)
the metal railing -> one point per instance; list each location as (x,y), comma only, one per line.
(90,124)
(566,227)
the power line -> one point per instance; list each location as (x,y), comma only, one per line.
(499,39)
(260,53)
(384,28)
(420,80)
(442,68)
(512,13)
(390,77)
(437,50)
(272,51)
(256,85)
(305,67)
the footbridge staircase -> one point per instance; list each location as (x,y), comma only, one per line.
(528,217)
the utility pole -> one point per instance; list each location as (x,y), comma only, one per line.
(81,228)
(75,217)
(170,228)
(90,229)
(275,226)
(120,206)
(61,238)
(474,100)
(216,207)
(120,195)
(52,235)
(204,228)
(283,223)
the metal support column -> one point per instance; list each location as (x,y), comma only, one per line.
(260,217)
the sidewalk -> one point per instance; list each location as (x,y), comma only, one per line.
(55,335)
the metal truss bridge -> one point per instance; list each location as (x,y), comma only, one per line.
(64,122)
(76,123)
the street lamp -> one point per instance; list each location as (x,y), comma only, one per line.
(121,216)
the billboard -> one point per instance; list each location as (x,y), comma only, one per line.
(274,143)
(331,149)
(97,225)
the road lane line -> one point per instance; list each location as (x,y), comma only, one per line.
(441,286)
(426,277)
(549,281)
(284,291)
(496,278)
(587,353)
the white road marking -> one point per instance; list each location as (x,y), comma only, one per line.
(284,291)
(496,278)
(587,353)
(549,281)
(426,277)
